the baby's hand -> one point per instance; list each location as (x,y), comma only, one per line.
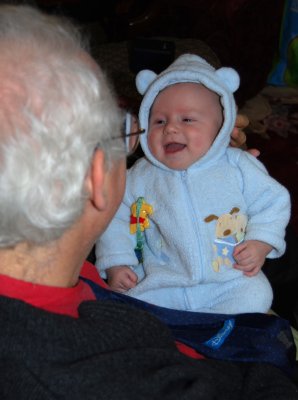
(250,256)
(121,278)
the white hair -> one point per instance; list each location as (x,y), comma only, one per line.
(55,108)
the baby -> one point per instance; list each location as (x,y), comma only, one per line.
(198,218)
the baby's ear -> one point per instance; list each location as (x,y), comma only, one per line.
(143,80)
(229,78)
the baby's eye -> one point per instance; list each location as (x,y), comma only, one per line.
(159,121)
(187,119)
(156,122)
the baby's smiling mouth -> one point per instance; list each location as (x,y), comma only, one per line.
(174,147)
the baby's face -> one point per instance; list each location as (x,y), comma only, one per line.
(184,121)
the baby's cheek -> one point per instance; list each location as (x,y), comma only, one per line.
(152,141)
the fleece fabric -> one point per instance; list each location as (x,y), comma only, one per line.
(186,263)
(114,352)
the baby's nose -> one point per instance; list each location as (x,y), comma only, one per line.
(171,127)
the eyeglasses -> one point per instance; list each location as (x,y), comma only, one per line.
(131,139)
(130,134)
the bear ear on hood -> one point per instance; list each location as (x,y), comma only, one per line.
(229,78)
(143,80)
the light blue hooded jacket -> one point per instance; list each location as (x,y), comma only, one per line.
(180,268)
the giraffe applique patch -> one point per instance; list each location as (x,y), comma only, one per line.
(139,221)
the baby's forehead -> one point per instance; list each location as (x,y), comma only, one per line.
(195,88)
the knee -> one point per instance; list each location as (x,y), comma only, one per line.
(261,294)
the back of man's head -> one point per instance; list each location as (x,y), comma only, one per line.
(55,108)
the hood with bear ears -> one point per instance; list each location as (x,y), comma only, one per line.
(190,68)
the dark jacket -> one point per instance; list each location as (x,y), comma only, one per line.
(115,352)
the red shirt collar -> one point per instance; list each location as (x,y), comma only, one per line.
(54,299)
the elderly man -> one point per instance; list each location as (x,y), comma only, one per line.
(62,160)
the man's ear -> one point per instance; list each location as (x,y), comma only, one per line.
(96,179)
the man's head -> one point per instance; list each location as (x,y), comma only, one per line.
(56,109)
(184,120)
(189,71)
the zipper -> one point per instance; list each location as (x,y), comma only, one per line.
(198,273)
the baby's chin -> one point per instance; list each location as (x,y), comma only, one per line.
(178,161)
(176,164)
